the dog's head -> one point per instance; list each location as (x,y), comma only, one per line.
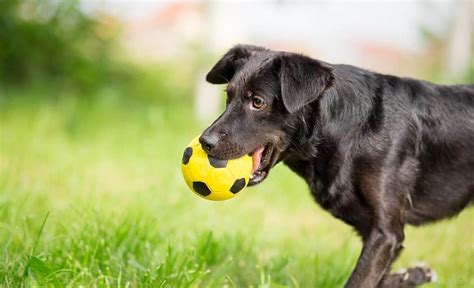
(266,94)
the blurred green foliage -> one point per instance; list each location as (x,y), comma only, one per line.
(48,43)
(53,41)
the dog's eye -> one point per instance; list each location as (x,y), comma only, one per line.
(258,103)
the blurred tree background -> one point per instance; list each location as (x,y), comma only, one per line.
(56,46)
(51,41)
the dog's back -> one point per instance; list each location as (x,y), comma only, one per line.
(431,126)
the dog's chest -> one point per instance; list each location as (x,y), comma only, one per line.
(334,193)
(324,193)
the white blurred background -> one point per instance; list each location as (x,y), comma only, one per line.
(424,39)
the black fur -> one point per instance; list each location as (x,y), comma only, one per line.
(377,151)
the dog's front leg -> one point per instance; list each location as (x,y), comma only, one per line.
(380,249)
(383,236)
(385,194)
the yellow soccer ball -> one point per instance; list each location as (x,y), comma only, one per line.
(212,178)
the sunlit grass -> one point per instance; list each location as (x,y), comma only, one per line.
(120,214)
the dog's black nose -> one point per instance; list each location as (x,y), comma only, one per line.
(208,141)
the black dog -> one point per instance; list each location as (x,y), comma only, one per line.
(377,151)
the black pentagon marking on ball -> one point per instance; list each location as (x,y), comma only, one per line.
(201,188)
(238,185)
(188,152)
(216,162)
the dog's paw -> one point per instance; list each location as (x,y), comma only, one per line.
(411,277)
(420,275)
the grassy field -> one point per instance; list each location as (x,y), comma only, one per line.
(91,194)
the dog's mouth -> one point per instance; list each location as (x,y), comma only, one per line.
(262,162)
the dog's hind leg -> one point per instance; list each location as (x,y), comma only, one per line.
(408,278)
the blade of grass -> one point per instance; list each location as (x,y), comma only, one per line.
(39,266)
(35,245)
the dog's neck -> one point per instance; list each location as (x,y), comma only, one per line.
(323,125)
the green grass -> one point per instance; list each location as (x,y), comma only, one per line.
(91,194)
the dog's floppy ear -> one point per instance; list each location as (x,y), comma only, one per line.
(303,79)
(226,67)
